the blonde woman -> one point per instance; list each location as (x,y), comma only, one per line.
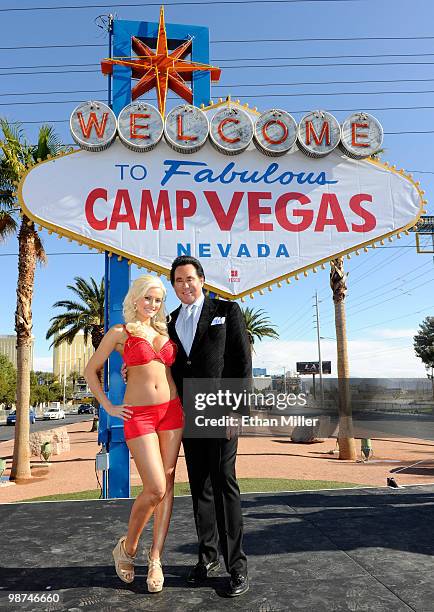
(152,415)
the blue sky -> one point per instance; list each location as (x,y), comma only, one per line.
(391,288)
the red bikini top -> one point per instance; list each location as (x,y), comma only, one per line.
(139,351)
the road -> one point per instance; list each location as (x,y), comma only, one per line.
(367,424)
(7,431)
(418,426)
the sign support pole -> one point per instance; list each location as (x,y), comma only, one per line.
(117,273)
(318,333)
(117,284)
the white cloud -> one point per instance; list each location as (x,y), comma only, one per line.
(43,364)
(394,333)
(367,358)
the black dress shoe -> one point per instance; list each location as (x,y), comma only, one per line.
(238,585)
(200,572)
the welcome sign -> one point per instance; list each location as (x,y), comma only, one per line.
(253,218)
(228,126)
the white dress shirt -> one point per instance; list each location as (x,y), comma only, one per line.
(186,323)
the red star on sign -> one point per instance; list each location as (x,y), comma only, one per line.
(160,68)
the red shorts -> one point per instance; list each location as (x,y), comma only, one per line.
(150,419)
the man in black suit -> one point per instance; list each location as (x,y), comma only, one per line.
(213,344)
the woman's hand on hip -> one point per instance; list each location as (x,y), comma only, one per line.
(122,411)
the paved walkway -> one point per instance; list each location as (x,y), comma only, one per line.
(366,550)
(257,458)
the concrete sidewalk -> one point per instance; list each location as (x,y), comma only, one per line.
(268,457)
(366,550)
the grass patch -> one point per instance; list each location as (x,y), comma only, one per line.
(273,485)
(247,485)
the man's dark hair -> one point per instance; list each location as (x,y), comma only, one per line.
(185,260)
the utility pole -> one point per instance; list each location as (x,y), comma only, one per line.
(110,50)
(321,386)
(105,22)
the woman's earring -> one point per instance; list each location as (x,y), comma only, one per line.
(135,307)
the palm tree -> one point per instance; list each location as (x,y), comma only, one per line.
(72,378)
(347,448)
(258,325)
(16,156)
(8,205)
(87,315)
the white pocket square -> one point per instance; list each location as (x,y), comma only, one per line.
(218,320)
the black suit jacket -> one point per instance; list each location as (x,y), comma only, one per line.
(218,351)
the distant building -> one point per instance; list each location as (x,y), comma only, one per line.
(291,383)
(261,383)
(259,371)
(73,357)
(8,347)
(81,391)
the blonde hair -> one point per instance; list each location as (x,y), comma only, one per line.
(139,289)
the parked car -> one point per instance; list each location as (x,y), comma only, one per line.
(85,409)
(12,417)
(54,413)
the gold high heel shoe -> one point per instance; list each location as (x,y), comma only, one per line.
(155,585)
(124,563)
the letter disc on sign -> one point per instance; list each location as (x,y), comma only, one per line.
(186,128)
(275,132)
(140,126)
(231,130)
(318,134)
(362,135)
(93,126)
